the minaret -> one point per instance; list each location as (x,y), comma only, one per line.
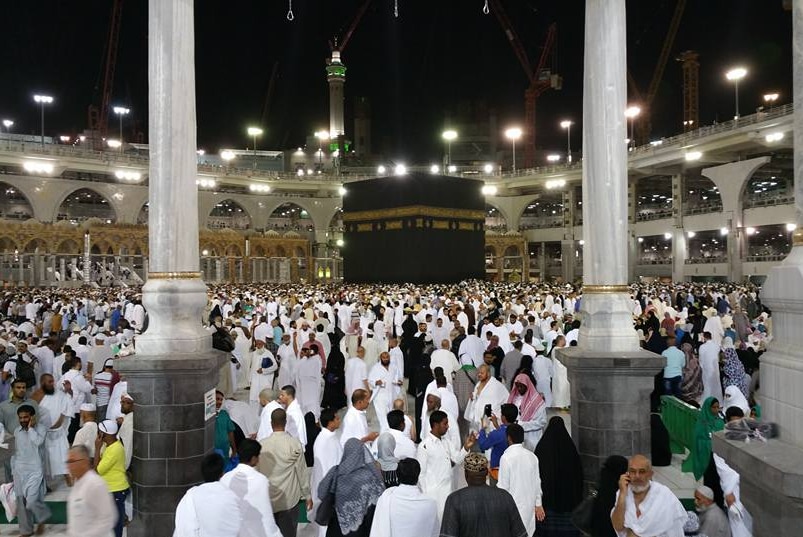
(336,76)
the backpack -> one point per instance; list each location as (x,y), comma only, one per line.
(25,371)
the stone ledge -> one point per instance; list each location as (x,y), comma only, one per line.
(779,464)
(638,362)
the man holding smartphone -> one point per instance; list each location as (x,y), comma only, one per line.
(645,508)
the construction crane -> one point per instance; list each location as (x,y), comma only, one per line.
(99,114)
(691,87)
(541,78)
(644,125)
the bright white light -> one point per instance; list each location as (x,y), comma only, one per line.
(656,142)
(555,183)
(750,230)
(381,170)
(300,172)
(434,169)
(774,137)
(488,168)
(204,252)
(309,171)
(641,239)
(513,133)
(339,243)
(565,124)
(82,137)
(449,135)
(770,98)
(120,110)
(582,242)
(206,183)
(114,144)
(64,138)
(7,123)
(791,227)
(128,175)
(322,135)
(723,231)
(553,158)
(259,187)
(736,73)
(667,235)
(342,191)
(254,131)
(452,168)
(400,169)
(632,111)
(691,234)
(46,99)
(227,155)
(691,156)
(201,152)
(37,166)
(489,190)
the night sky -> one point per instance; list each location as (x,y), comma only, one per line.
(414,69)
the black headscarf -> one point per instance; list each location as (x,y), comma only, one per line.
(312,433)
(612,470)
(560,467)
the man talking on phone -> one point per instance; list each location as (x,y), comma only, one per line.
(645,508)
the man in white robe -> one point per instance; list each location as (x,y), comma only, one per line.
(437,456)
(561,388)
(713,325)
(327,451)
(261,377)
(740,520)
(211,508)
(709,364)
(268,402)
(296,426)
(520,476)
(356,374)
(404,510)
(487,391)
(242,414)
(471,349)
(543,371)
(59,411)
(308,382)
(287,363)
(645,507)
(355,424)
(404,446)
(252,491)
(445,359)
(396,355)
(88,432)
(382,379)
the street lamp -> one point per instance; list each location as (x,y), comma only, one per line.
(566,124)
(255,131)
(7,123)
(513,134)
(450,136)
(735,75)
(121,111)
(770,98)
(43,100)
(631,113)
(322,136)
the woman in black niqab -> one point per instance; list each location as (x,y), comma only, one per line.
(612,469)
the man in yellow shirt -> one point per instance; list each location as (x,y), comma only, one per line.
(111,467)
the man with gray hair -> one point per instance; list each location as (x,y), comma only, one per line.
(90,507)
(269,403)
(713,522)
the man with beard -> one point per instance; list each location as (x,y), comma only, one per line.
(385,381)
(59,411)
(645,507)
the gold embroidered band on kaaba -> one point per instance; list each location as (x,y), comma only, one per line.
(415,216)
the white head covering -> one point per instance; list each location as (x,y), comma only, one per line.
(735,397)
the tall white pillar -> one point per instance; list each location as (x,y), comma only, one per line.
(607,323)
(174,294)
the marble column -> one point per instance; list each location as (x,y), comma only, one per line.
(771,476)
(610,376)
(175,365)
(87,258)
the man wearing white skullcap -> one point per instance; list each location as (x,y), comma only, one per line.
(713,522)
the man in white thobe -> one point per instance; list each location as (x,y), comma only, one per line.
(59,411)
(356,374)
(287,363)
(261,377)
(90,508)
(308,382)
(268,402)
(446,360)
(519,475)
(211,508)
(252,491)
(405,448)
(326,451)
(487,391)
(405,510)
(471,349)
(543,371)
(296,426)
(437,456)
(709,364)
(355,424)
(382,379)
(396,355)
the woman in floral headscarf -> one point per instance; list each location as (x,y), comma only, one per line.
(734,369)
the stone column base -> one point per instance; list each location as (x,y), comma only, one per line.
(171,435)
(610,403)
(771,483)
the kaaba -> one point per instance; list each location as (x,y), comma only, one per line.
(416,228)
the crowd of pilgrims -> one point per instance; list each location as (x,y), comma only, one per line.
(371,406)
